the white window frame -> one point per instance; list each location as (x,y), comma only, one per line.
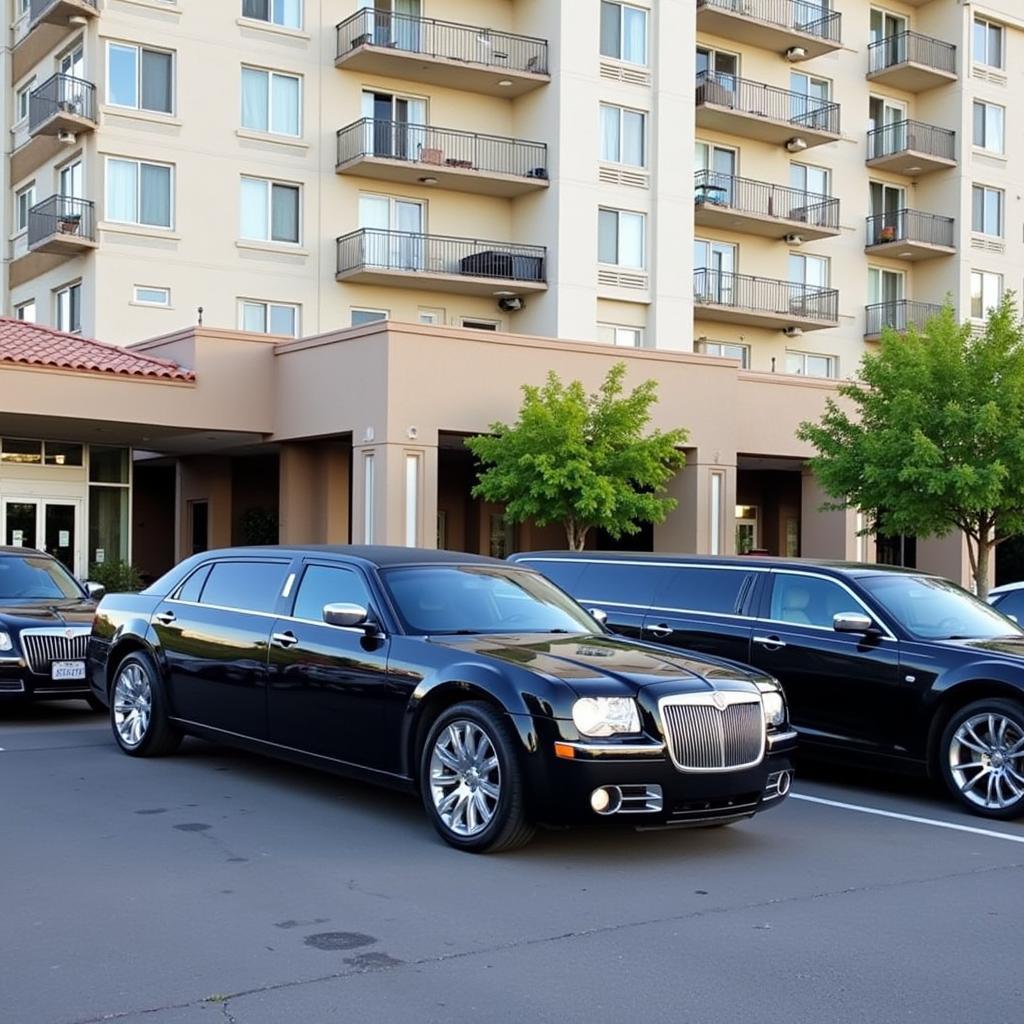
(984,144)
(137,301)
(805,258)
(23,98)
(618,237)
(57,294)
(806,168)
(267,305)
(277,24)
(1000,227)
(172,213)
(647,34)
(430,316)
(139,49)
(833,364)
(271,74)
(621,111)
(22,307)
(985,277)
(707,347)
(984,61)
(381,314)
(270,183)
(618,335)
(28,193)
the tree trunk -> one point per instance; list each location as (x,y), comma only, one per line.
(981,572)
(575,535)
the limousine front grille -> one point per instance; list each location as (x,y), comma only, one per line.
(705,736)
(42,647)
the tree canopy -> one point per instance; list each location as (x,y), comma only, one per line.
(581,460)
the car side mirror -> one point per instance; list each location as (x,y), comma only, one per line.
(95,590)
(346,615)
(852,622)
(599,615)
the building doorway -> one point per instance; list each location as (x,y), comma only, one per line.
(52,525)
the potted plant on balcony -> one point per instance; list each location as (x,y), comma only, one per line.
(887,233)
(69,223)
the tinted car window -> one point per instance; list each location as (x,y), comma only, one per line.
(809,600)
(701,590)
(618,583)
(565,574)
(1011,603)
(33,578)
(248,586)
(323,584)
(193,586)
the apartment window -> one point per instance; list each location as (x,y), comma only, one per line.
(139,193)
(808,270)
(809,99)
(426,315)
(270,210)
(26,311)
(725,350)
(22,99)
(271,102)
(989,120)
(623,337)
(810,179)
(623,135)
(624,33)
(287,13)
(268,317)
(368,316)
(986,291)
(476,324)
(140,78)
(24,200)
(988,43)
(621,238)
(144,295)
(810,364)
(68,302)
(715,62)
(987,210)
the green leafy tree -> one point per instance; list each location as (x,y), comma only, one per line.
(581,460)
(935,438)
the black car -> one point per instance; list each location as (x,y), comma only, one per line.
(45,620)
(475,682)
(894,664)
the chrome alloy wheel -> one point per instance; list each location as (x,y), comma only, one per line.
(133,704)
(986,760)
(465,778)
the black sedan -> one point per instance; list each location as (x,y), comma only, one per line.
(45,619)
(477,683)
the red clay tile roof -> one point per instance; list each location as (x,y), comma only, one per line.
(36,345)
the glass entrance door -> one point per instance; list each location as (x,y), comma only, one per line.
(50,526)
(20,523)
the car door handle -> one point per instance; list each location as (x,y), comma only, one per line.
(660,631)
(288,639)
(771,642)
(165,618)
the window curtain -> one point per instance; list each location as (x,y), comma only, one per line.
(634,35)
(608,237)
(631,240)
(285,115)
(632,138)
(255,114)
(284,213)
(156,196)
(610,141)
(255,223)
(123,191)
(157,81)
(288,13)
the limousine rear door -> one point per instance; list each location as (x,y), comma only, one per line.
(702,608)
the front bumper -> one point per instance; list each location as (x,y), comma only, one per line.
(19,682)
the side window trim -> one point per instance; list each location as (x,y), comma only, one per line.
(175,594)
(209,567)
(775,573)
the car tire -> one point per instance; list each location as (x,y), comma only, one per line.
(981,757)
(96,704)
(471,781)
(138,709)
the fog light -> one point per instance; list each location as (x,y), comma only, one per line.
(785,781)
(606,800)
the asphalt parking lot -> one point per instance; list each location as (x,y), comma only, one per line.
(214,886)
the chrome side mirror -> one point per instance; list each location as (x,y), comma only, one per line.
(599,615)
(346,615)
(852,622)
(95,590)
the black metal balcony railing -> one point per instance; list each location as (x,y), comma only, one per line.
(712,188)
(442,148)
(911,135)
(39,7)
(445,39)
(64,216)
(910,226)
(899,314)
(765,295)
(808,16)
(767,101)
(911,48)
(374,248)
(61,94)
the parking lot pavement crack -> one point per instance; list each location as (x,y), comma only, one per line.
(388,965)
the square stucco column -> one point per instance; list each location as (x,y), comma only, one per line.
(826,534)
(314,493)
(204,478)
(394,495)
(704,521)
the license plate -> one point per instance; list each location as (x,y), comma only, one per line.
(62,670)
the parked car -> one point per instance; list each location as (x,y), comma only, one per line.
(1009,599)
(45,620)
(899,666)
(475,682)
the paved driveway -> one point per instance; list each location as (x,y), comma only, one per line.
(215,887)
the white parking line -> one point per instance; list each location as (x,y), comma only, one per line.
(908,817)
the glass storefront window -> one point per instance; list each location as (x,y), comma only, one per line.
(21,451)
(108,524)
(108,465)
(60,453)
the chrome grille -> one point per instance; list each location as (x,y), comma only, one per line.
(42,647)
(704,737)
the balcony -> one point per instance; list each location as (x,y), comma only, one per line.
(911,148)
(46,23)
(899,314)
(62,225)
(758,208)
(910,235)
(421,154)
(62,104)
(726,103)
(762,302)
(912,62)
(778,25)
(468,266)
(60,12)
(442,53)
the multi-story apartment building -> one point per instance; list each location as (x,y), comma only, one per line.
(307,167)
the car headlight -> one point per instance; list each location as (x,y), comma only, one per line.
(5,641)
(606,716)
(774,708)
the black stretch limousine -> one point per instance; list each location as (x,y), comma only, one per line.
(475,682)
(889,663)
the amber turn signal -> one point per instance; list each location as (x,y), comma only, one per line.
(565,750)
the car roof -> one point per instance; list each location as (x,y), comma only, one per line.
(835,567)
(1006,588)
(35,552)
(379,555)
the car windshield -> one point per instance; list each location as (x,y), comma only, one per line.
(454,599)
(34,578)
(935,609)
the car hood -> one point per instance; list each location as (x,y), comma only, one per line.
(585,662)
(1003,646)
(29,614)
